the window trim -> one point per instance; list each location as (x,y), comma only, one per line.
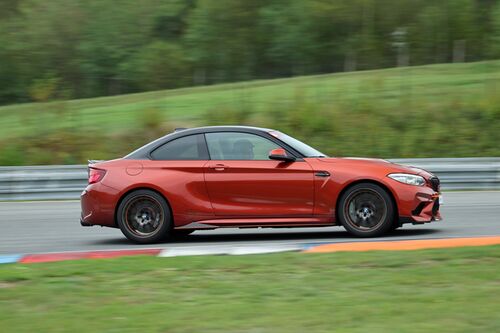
(274,140)
(200,138)
(143,153)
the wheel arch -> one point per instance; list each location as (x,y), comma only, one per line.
(118,203)
(371,181)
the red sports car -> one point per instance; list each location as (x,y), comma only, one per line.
(236,176)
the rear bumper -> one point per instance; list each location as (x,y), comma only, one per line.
(85,224)
(98,204)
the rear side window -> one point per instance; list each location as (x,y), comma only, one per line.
(190,147)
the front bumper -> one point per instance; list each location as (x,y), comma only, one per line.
(426,209)
(418,204)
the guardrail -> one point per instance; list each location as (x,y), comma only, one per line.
(481,173)
(59,182)
(52,182)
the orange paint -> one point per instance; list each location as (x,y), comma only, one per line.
(405,245)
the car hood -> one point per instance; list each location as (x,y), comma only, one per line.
(376,162)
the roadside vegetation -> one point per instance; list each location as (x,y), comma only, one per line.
(180,62)
(87,48)
(450,110)
(448,290)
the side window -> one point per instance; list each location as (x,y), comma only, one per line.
(238,146)
(190,147)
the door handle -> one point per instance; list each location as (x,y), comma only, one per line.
(218,167)
(322,174)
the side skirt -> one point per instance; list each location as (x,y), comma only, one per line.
(261,223)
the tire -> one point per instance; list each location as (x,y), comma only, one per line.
(366,210)
(144,217)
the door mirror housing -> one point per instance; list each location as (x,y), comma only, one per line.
(279,154)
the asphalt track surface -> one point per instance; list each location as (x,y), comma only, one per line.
(36,227)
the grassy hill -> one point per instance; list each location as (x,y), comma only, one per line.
(436,110)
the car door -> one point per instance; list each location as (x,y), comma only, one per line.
(177,168)
(242,181)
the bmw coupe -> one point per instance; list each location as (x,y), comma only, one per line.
(238,176)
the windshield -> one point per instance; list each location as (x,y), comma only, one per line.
(299,146)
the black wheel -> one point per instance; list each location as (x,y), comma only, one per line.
(144,217)
(181,233)
(366,210)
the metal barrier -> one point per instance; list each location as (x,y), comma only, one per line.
(481,173)
(59,182)
(52,182)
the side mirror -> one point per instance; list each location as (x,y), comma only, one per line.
(279,154)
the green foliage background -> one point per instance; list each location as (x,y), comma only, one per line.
(73,75)
(85,48)
(429,111)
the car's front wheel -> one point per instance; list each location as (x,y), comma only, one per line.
(366,210)
(144,217)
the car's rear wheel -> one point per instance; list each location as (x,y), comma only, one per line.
(366,210)
(144,217)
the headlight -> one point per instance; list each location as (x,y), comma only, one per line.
(407,178)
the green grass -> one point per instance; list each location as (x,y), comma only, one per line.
(449,290)
(435,110)
(433,82)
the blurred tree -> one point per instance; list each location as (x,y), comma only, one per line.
(428,36)
(11,88)
(42,90)
(109,38)
(222,39)
(494,48)
(171,22)
(8,8)
(102,47)
(47,46)
(462,29)
(159,65)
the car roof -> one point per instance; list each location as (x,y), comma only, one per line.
(143,152)
(208,129)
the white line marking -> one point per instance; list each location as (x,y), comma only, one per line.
(229,250)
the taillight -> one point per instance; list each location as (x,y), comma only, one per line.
(96,175)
